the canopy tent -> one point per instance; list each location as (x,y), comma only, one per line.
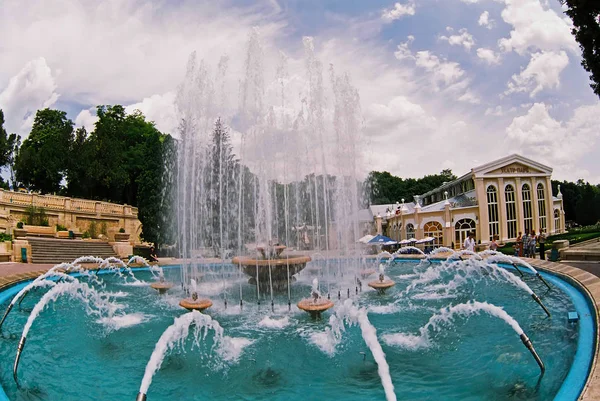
(425,240)
(366,238)
(392,242)
(380,239)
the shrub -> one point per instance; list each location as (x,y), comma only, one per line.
(20,225)
(36,216)
(104,228)
(122,230)
(5,237)
(93,229)
(85,234)
(60,227)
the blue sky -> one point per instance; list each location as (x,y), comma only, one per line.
(443,83)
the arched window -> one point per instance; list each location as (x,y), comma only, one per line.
(434,229)
(410,231)
(511,212)
(527,215)
(557,220)
(492,201)
(462,228)
(541,205)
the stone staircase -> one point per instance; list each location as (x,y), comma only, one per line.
(54,251)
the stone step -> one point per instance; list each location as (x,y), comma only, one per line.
(54,251)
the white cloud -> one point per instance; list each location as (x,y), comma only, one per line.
(542,72)
(160,109)
(469,97)
(464,38)
(553,142)
(399,10)
(488,55)
(441,70)
(398,115)
(32,88)
(485,21)
(86,119)
(535,28)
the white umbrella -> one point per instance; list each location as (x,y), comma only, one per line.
(366,238)
(405,241)
(390,243)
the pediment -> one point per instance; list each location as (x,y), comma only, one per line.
(515,169)
(513,165)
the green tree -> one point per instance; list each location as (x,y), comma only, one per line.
(384,188)
(9,145)
(586,29)
(42,161)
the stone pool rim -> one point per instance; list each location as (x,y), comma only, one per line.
(586,283)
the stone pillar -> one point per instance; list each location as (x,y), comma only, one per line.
(418,227)
(447,225)
(378,224)
(502,229)
(549,207)
(534,206)
(483,234)
(519,200)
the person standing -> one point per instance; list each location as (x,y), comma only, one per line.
(494,244)
(469,244)
(525,244)
(542,241)
(519,245)
(532,241)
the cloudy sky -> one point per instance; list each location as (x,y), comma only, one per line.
(443,83)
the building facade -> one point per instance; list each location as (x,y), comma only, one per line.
(500,199)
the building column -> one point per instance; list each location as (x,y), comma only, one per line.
(483,234)
(534,204)
(549,208)
(502,229)
(378,224)
(519,200)
(447,226)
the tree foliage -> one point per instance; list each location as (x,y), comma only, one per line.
(42,161)
(586,29)
(9,145)
(581,201)
(385,188)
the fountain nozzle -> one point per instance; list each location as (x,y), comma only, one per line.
(517,268)
(527,342)
(542,279)
(17,359)
(539,301)
(8,309)
(140,397)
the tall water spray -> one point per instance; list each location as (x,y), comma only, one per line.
(281,166)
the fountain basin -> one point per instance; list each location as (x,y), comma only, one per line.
(315,308)
(382,285)
(161,287)
(278,268)
(489,361)
(199,304)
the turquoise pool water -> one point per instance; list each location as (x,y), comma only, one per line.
(285,355)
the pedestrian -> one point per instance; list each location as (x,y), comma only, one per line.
(532,242)
(519,245)
(494,244)
(542,241)
(525,244)
(469,244)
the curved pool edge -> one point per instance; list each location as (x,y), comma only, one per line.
(587,283)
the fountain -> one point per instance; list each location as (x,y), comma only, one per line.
(279,163)
(270,267)
(194,302)
(316,304)
(382,284)
(161,286)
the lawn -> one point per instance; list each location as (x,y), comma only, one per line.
(574,236)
